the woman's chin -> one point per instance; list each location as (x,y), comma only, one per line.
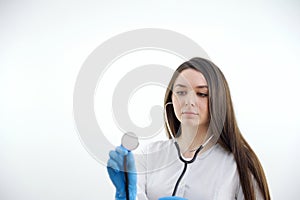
(190,122)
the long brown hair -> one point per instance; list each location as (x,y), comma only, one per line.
(223,123)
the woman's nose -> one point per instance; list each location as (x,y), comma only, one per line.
(190,99)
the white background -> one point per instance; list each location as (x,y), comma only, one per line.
(44,43)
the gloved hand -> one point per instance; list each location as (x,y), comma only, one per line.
(172,198)
(115,168)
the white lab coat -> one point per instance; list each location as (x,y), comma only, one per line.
(213,175)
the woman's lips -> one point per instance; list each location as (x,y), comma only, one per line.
(189,113)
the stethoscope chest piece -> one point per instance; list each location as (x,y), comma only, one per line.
(130,141)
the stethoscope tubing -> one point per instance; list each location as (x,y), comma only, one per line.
(126,177)
(186,162)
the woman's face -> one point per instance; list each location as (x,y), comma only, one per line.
(190,98)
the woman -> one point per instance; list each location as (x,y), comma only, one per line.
(200,121)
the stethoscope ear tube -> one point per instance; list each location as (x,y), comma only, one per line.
(186,162)
(166,120)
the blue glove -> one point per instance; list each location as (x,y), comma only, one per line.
(115,168)
(172,198)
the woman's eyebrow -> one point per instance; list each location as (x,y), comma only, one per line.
(180,85)
(202,86)
(199,86)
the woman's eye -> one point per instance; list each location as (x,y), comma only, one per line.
(202,94)
(181,93)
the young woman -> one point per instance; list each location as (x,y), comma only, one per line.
(206,156)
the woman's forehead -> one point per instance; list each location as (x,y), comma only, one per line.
(190,78)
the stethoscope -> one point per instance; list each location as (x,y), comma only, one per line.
(186,162)
(130,142)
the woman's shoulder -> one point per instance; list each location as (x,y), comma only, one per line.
(218,154)
(157,155)
(158,145)
(222,155)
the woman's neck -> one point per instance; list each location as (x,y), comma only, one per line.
(191,138)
